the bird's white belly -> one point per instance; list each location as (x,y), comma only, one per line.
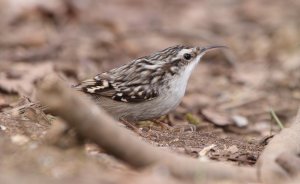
(169,97)
(154,108)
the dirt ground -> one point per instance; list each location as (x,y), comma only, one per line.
(228,100)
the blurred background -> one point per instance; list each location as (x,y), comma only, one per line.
(78,39)
(231,91)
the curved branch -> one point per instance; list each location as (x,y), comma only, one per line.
(272,167)
(93,123)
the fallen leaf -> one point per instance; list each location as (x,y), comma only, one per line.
(203,153)
(192,119)
(3,103)
(21,78)
(216,117)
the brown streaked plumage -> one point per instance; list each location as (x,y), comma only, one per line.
(147,87)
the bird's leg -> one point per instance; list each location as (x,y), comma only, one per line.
(131,126)
(162,124)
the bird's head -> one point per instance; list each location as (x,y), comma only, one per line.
(181,58)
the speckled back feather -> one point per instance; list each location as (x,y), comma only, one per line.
(136,81)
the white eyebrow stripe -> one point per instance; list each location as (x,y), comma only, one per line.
(183,51)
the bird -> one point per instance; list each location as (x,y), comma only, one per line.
(148,87)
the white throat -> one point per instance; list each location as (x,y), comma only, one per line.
(180,82)
(189,69)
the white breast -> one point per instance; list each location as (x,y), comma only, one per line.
(169,97)
(177,88)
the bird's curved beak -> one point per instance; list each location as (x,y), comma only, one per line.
(202,50)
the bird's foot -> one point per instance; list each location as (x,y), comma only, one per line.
(162,124)
(132,127)
(185,128)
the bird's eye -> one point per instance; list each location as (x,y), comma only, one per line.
(187,56)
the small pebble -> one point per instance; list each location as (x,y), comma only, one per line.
(19,139)
(2,127)
(240,121)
